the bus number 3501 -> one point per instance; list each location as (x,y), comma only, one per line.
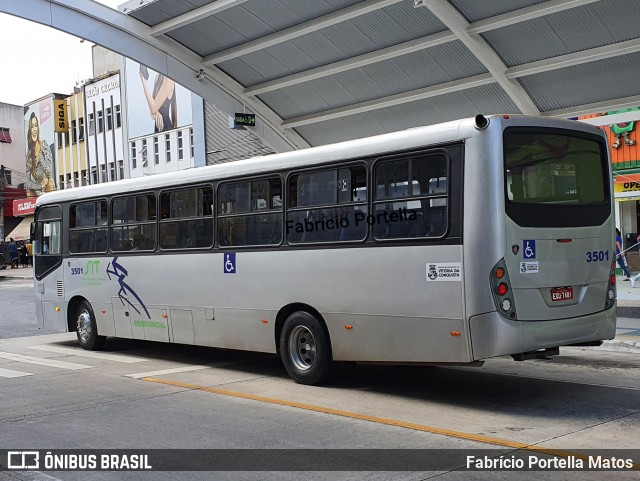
(76,271)
(597,256)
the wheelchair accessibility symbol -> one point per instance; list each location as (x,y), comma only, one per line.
(529,249)
(229,262)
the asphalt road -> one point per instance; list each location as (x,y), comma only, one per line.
(17,309)
(142,395)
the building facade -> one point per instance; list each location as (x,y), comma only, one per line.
(624,151)
(104,130)
(71,165)
(160,122)
(40,125)
(12,171)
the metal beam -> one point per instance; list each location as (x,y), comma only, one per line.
(576,58)
(298,30)
(483,52)
(354,62)
(193,16)
(390,101)
(594,108)
(524,14)
(624,117)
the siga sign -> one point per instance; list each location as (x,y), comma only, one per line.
(60,109)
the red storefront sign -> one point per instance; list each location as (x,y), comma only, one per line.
(22,207)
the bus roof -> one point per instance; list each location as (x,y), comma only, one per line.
(353,149)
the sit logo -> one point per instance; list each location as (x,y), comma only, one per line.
(93,268)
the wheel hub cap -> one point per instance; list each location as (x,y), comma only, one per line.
(84,326)
(302,348)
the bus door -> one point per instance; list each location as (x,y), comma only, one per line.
(49,279)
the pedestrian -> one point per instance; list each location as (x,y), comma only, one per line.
(620,256)
(637,276)
(29,253)
(3,255)
(13,253)
(24,260)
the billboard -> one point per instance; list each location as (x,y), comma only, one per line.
(155,103)
(39,124)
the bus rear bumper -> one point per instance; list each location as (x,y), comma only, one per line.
(493,335)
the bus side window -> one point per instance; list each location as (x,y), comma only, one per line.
(255,220)
(50,243)
(87,227)
(340,196)
(133,223)
(411,197)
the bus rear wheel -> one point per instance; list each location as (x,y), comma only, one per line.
(305,349)
(87,328)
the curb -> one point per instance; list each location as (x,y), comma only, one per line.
(623,345)
(628,311)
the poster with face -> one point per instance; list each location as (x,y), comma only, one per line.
(155,102)
(40,147)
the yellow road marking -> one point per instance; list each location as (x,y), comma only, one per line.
(375,419)
(346,414)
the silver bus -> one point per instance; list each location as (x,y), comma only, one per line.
(450,243)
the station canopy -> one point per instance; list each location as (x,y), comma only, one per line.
(333,70)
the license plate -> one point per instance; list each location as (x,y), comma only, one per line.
(562,293)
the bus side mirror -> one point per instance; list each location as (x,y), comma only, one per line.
(33,231)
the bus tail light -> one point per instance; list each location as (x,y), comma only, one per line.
(501,290)
(611,287)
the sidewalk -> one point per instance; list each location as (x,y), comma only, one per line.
(21,272)
(628,313)
(628,298)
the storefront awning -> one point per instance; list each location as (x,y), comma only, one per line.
(620,178)
(22,231)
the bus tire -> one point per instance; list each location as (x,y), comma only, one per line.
(87,328)
(305,349)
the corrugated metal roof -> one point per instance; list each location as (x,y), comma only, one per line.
(465,56)
(475,10)
(162,11)
(225,144)
(395,24)
(252,20)
(586,83)
(590,26)
(489,99)
(440,64)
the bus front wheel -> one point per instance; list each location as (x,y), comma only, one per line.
(305,349)
(87,328)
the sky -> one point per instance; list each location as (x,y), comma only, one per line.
(39,60)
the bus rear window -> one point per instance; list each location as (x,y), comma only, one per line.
(554,168)
(552,175)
